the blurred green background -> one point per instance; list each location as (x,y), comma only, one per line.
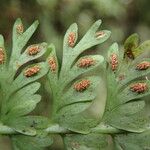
(122,17)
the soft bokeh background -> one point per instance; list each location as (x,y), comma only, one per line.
(122,17)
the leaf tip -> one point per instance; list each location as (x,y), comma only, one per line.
(98,22)
(36,23)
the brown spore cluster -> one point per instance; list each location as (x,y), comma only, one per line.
(71,39)
(143,65)
(33,50)
(114,61)
(52,64)
(20,28)
(139,87)
(2,55)
(32,71)
(82,85)
(99,34)
(86,62)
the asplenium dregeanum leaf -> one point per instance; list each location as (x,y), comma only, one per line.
(73,82)
(74,87)
(126,85)
(17,80)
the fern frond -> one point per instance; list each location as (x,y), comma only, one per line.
(73,83)
(17,79)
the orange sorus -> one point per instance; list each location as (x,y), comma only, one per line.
(82,85)
(99,34)
(52,64)
(143,65)
(139,87)
(33,49)
(85,62)
(2,55)
(32,71)
(71,39)
(113,62)
(20,28)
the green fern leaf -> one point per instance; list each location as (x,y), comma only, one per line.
(124,105)
(17,86)
(70,87)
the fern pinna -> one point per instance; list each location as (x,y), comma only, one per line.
(18,87)
(74,90)
(125,122)
(73,83)
(77,84)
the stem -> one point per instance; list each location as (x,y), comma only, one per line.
(56,129)
(52,129)
(6,130)
(105,129)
